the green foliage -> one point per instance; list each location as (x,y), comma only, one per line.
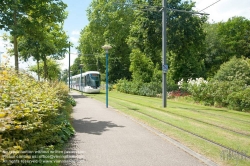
(75,68)
(71,100)
(109,22)
(138,88)
(185,39)
(142,67)
(150,89)
(225,40)
(236,36)
(33,115)
(235,69)
(23,18)
(214,49)
(53,70)
(232,94)
(197,88)
(240,100)
(124,86)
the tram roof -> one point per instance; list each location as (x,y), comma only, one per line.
(85,73)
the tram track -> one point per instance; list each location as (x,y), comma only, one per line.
(204,112)
(240,120)
(224,128)
(242,154)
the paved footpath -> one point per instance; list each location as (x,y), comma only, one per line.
(107,137)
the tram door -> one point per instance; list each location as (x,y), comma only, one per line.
(82,83)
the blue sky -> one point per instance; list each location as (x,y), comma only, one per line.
(75,22)
(77,19)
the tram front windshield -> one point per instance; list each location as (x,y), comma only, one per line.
(94,80)
(95,77)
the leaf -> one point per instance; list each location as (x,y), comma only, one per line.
(2,114)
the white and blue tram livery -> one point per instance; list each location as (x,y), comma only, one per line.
(90,82)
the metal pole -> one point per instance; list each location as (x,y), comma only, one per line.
(107,79)
(106,48)
(69,66)
(164,50)
(81,81)
(71,80)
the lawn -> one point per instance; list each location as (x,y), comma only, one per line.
(225,127)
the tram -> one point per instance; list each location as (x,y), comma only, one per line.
(90,82)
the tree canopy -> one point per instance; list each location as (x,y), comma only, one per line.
(132,25)
(29,18)
(225,40)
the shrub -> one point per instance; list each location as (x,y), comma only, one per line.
(149,89)
(71,100)
(195,87)
(240,100)
(33,114)
(235,69)
(123,85)
(218,93)
(138,88)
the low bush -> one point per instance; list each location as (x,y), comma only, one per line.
(138,88)
(33,115)
(233,94)
(234,70)
(240,100)
(71,100)
(149,89)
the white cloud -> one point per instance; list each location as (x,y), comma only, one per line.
(74,39)
(75,32)
(65,62)
(2,45)
(224,9)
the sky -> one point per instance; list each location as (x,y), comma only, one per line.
(77,20)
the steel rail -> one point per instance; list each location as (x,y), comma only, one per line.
(237,132)
(182,129)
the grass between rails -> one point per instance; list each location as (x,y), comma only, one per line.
(190,117)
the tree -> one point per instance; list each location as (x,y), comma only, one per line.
(185,37)
(54,70)
(54,45)
(214,49)
(65,75)
(75,68)
(234,70)
(225,40)
(236,37)
(49,40)
(89,48)
(16,16)
(142,67)
(146,30)
(109,22)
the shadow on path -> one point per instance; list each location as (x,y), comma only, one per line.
(78,96)
(90,126)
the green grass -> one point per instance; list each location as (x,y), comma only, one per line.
(201,120)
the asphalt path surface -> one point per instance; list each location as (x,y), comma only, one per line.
(107,137)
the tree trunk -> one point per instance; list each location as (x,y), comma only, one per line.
(45,68)
(38,70)
(15,43)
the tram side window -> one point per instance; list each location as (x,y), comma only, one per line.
(83,81)
(87,80)
(77,81)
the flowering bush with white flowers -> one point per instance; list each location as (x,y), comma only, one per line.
(197,81)
(195,87)
(233,94)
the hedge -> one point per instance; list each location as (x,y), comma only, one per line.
(33,115)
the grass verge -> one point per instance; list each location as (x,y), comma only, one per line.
(220,125)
